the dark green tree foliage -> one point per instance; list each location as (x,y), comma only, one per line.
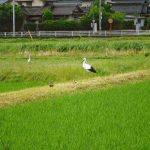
(94,14)
(31,26)
(106,14)
(6,17)
(85,23)
(148,23)
(59,25)
(118,20)
(54,25)
(87,19)
(129,25)
(47,14)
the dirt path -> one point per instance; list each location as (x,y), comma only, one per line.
(31,94)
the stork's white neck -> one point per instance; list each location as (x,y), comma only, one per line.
(84,60)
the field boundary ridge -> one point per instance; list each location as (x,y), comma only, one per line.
(31,94)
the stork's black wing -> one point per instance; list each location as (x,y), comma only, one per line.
(92,70)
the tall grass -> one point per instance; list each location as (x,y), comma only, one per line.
(116,118)
(62,69)
(77,44)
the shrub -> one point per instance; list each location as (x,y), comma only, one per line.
(85,23)
(47,14)
(59,25)
(6,17)
(148,23)
(129,25)
(118,20)
(30,26)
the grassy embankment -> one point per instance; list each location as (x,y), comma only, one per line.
(114,118)
(31,94)
(59,60)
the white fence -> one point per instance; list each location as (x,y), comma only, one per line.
(76,33)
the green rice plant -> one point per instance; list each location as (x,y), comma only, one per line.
(128,46)
(62,47)
(137,46)
(114,118)
(15,86)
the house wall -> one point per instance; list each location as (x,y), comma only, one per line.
(37,3)
(86,4)
(30,2)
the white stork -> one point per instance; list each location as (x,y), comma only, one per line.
(87,66)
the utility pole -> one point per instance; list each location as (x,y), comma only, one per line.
(93,20)
(13,18)
(93,9)
(100,15)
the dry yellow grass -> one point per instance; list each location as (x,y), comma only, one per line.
(79,53)
(31,94)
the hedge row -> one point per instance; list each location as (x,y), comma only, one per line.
(53,25)
(66,25)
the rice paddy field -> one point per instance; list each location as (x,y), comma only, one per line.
(108,110)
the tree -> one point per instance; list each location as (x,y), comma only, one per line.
(148,23)
(118,20)
(47,14)
(107,13)
(6,13)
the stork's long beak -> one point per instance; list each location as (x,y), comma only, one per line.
(82,61)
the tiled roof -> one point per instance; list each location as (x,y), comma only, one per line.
(63,10)
(130,9)
(69,1)
(33,11)
(24,0)
(127,1)
(130,6)
(3,1)
(58,10)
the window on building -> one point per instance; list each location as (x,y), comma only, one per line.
(29,3)
(20,3)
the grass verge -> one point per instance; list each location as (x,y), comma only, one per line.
(15,86)
(61,69)
(31,94)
